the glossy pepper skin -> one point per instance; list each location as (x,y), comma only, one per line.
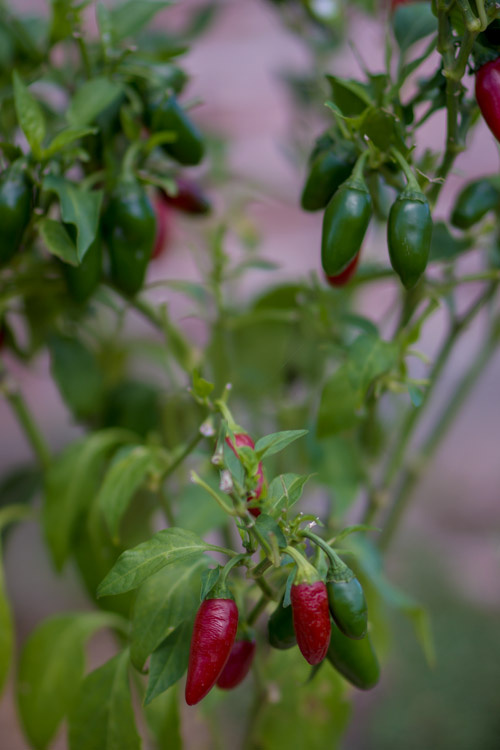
(345,223)
(238,665)
(488,95)
(167,114)
(130,227)
(348,607)
(326,174)
(474,202)
(213,637)
(342,278)
(83,280)
(15,210)
(409,234)
(311,620)
(190,198)
(280,628)
(242,438)
(354,659)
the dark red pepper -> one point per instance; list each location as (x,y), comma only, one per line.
(238,665)
(311,620)
(346,275)
(213,636)
(242,438)
(163,225)
(190,198)
(488,95)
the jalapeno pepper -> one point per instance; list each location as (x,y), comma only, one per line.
(345,222)
(15,210)
(166,114)
(326,174)
(280,628)
(83,280)
(354,659)
(475,201)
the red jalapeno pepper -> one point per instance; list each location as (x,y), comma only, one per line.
(242,438)
(311,620)
(238,665)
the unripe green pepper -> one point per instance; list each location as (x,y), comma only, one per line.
(345,222)
(475,201)
(280,628)
(83,280)
(15,210)
(348,606)
(130,229)
(409,231)
(166,114)
(326,173)
(354,660)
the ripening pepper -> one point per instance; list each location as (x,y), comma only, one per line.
(326,174)
(15,210)
(311,619)
(167,115)
(475,200)
(354,659)
(342,278)
(238,665)
(130,230)
(488,94)
(280,628)
(345,222)
(83,280)
(213,637)
(242,438)
(189,199)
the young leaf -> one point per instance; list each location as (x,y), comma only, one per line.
(369,358)
(50,671)
(91,99)
(413,22)
(162,716)
(76,372)
(58,241)
(79,207)
(71,484)
(169,661)
(163,602)
(29,114)
(126,474)
(130,17)
(268,528)
(167,547)
(338,404)
(103,716)
(284,491)
(65,138)
(278,441)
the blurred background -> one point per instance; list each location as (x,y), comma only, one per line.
(447,553)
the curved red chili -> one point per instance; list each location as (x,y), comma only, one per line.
(242,438)
(163,226)
(189,199)
(488,95)
(213,636)
(311,620)
(346,275)
(238,665)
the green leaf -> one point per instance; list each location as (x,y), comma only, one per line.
(269,529)
(198,511)
(6,631)
(413,22)
(338,404)
(64,138)
(79,207)
(20,485)
(169,661)
(284,491)
(128,471)
(71,485)
(341,469)
(58,241)
(103,718)
(167,547)
(91,99)
(416,395)
(129,18)
(383,129)
(163,718)
(369,358)
(233,464)
(163,602)
(351,97)
(445,246)
(276,442)
(76,372)
(208,580)
(29,114)
(50,671)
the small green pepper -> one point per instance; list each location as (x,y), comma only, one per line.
(475,201)
(167,115)
(15,210)
(326,174)
(345,222)
(83,280)
(130,230)
(409,230)
(354,659)
(280,628)
(348,606)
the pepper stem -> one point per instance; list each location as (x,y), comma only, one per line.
(338,569)
(412,180)
(306,573)
(357,172)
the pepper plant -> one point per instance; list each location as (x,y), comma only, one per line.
(205,504)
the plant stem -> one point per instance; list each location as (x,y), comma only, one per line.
(258,609)
(188,449)
(27,422)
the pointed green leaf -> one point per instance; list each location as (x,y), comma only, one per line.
(284,491)
(91,99)
(29,114)
(413,22)
(268,528)
(169,661)
(77,373)
(57,241)
(163,718)
(167,547)
(130,17)
(278,441)
(103,717)
(64,138)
